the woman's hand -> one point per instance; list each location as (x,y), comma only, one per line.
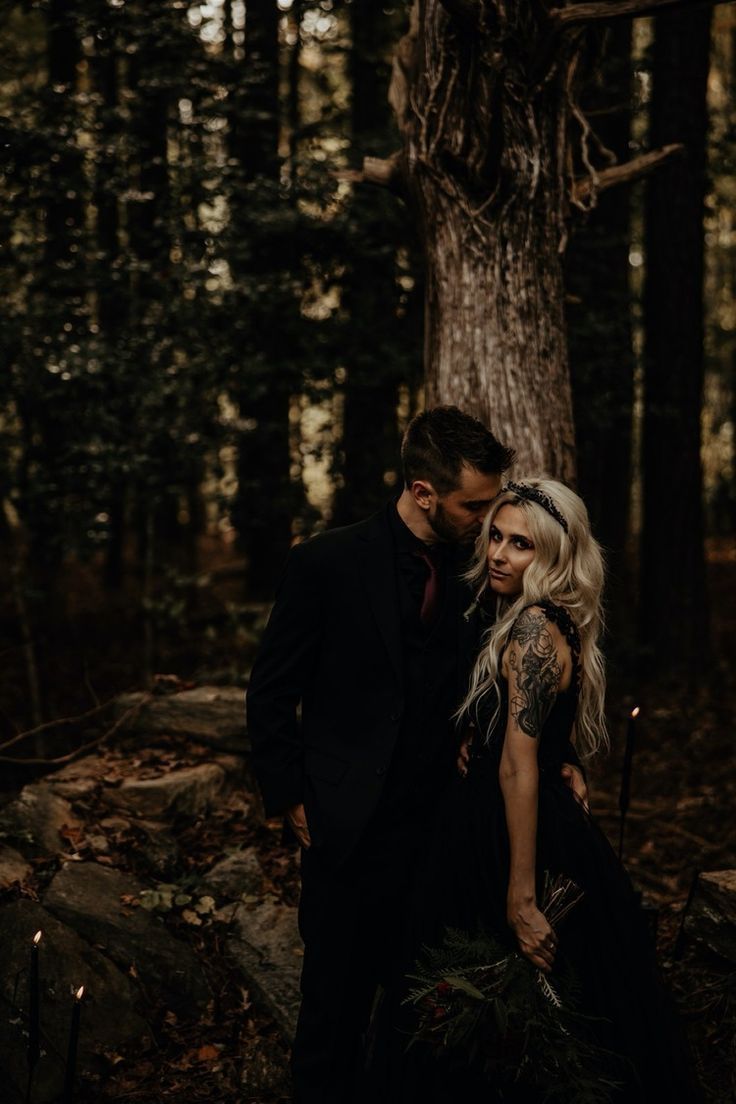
(535,935)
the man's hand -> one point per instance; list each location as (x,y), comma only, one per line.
(298,821)
(463,754)
(573,777)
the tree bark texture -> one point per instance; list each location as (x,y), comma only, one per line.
(487,108)
(672,558)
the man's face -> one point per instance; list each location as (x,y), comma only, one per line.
(458,515)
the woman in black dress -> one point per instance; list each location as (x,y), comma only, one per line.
(510,818)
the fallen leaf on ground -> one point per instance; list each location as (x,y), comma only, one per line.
(207,1053)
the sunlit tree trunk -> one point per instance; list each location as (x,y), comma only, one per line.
(673,603)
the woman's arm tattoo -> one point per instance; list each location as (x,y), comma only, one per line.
(533,659)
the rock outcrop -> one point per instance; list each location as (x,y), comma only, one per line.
(103,905)
(265,946)
(711,915)
(95,856)
(211,715)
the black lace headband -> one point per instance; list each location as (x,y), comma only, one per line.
(533,494)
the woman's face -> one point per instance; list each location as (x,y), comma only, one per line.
(510,551)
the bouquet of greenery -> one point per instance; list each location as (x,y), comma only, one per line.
(491,1007)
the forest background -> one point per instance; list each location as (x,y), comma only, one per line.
(213,333)
(213,329)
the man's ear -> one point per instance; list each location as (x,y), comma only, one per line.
(422,492)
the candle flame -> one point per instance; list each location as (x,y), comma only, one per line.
(37,937)
(635,712)
(80,992)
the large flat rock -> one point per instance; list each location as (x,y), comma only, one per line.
(711,917)
(189,791)
(92,899)
(266,948)
(211,715)
(32,822)
(109,1019)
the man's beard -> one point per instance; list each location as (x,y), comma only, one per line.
(445,529)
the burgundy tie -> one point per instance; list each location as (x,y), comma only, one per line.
(429,598)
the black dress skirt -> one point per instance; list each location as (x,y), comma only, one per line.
(604,940)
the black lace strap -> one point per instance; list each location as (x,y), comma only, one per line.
(564,622)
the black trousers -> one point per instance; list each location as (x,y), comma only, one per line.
(351,921)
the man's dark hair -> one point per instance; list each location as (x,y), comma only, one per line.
(438,442)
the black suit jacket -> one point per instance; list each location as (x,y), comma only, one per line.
(333,646)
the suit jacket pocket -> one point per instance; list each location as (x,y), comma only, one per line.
(325,767)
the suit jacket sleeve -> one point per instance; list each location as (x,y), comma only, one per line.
(278,681)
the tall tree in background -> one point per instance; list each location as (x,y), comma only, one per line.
(112,290)
(263,395)
(599,311)
(673,605)
(59,286)
(150,325)
(372,359)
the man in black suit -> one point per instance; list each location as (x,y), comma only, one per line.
(372,636)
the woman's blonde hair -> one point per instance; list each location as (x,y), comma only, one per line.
(568,570)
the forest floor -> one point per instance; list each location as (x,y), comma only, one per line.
(680,822)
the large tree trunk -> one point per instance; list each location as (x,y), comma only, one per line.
(495,333)
(484,109)
(673,604)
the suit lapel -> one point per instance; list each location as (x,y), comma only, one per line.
(378,574)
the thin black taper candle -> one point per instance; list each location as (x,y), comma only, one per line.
(71,1054)
(625,794)
(34,1007)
